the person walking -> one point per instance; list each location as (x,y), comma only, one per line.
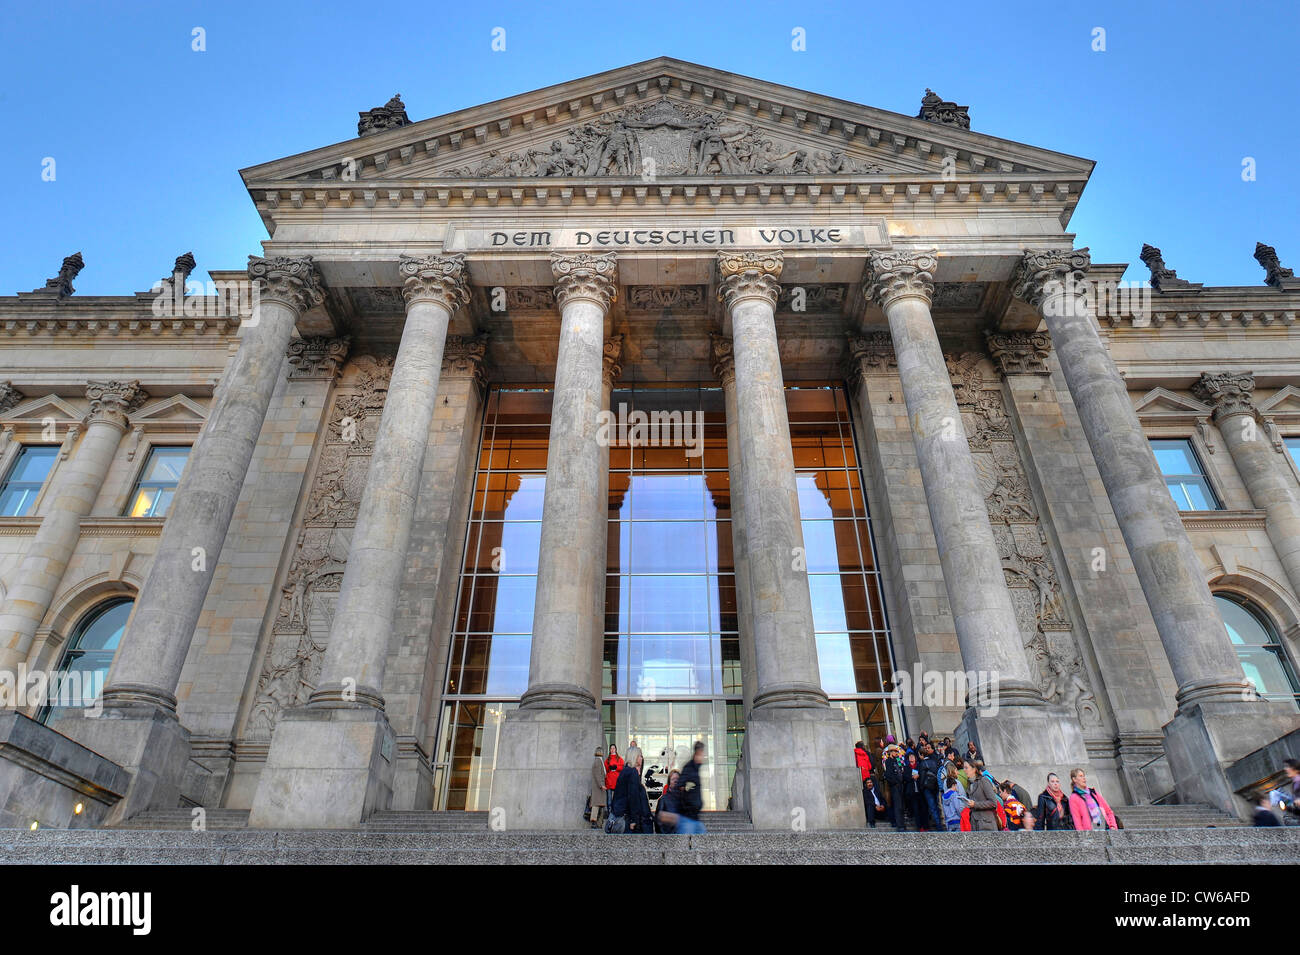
(1087,808)
(599,798)
(1054,806)
(984,803)
(690,800)
(1264,814)
(666,814)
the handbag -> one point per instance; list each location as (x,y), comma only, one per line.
(586,813)
(616,825)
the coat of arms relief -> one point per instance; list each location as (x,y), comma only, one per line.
(1022,544)
(310,590)
(665,138)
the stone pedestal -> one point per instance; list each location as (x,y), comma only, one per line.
(543,774)
(330,768)
(796,770)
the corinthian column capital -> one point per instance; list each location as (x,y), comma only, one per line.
(112,401)
(290,281)
(1227,394)
(585,276)
(750,274)
(723,357)
(318,357)
(442,279)
(1020,353)
(1042,272)
(463,357)
(900,274)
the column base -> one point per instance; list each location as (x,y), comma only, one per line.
(1025,743)
(543,770)
(1203,740)
(148,742)
(328,768)
(799,770)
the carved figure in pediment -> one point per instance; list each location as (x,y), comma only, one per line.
(711,151)
(617,152)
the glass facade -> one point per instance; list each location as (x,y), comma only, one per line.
(157,483)
(26,478)
(671,664)
(1184,475)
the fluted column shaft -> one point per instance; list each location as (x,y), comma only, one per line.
(982,612)
(724,367)
(1204,663)
(148,665)
(571,569)
(353,668)
(76,486)
(785,652)
(1263,469)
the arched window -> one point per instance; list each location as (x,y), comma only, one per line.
(84,666)
(1260,649)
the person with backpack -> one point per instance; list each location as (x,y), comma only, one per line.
(954,801)
(690,799)
(1087,809)
(629,809)
(931,774)
(1054,806)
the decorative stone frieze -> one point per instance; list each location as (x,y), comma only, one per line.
(934,109)
(812,298)
(722,355)
(897,274)
(291,281)
(443,279)
(612,360)
(530,298)
(750,274)
(647,298)
(584,275)
(9,396)
(317,357)
(1020,353)
(871,354)
(1227,394)
(61,285)
(462,357)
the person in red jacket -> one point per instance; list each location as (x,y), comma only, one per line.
(613,766)
(863,757)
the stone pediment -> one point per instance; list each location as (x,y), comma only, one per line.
(667,119)
(1284,402)
(1160,403)
(177,410)
(45,407)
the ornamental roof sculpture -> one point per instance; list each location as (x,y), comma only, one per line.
(664,139)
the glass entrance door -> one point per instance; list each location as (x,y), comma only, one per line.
(666,732)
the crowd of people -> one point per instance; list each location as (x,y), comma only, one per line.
(921,784)
(930,786)
(620,795)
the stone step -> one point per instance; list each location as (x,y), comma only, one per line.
(90,846)
(1174,817)
(184,819)
(455,821)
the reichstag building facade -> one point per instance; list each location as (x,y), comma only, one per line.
(664,404)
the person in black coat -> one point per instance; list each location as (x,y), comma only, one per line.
(1053,806)
(630,801)
(914,788)
(872,800)
(1264,814)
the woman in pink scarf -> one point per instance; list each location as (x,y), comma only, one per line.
(1087,808)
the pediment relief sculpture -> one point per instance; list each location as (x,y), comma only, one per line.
(664,139)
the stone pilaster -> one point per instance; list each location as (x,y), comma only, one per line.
(1216,718)
(343,733)
(1018,733)
(794,741)
(546,743)
(1263,469)
(139,729)
(76,486)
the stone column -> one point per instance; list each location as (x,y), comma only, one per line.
(342,734)
(1262,467)
(540,781)
(1017,732)
(722,354)
(139,729)
(75,489)
(797,748)
(1217,719)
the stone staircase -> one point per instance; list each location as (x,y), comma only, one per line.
(1174,817)
(428,821)
(1235,845)
(175,819)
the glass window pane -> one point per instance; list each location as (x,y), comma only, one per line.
(34,463)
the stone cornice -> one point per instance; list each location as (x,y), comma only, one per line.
(749,274)
(584,276)
(1224,520)
(899,274)
(90,526)
(1020,353)
(442,279)
(291,281)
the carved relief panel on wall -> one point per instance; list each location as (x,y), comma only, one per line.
(1027,565)
(309,592)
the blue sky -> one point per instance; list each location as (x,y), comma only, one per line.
(147,135)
